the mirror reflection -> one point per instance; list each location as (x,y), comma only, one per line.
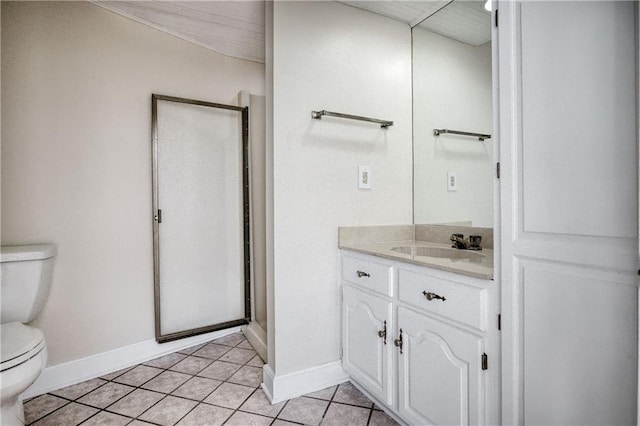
(453,173)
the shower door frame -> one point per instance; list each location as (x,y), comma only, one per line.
(157,219)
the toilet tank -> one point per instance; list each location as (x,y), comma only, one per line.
(25,277)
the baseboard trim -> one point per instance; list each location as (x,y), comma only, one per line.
(70,373)
(258,338)
(282,387)
(267,382)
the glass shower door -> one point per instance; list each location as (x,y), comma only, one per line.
(201,210)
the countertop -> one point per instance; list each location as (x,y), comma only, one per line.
(479,266)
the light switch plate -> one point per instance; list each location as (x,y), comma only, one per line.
(364,177)
(452,181)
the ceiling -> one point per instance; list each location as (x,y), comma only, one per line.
(463,20)
(234,28)
(237,28)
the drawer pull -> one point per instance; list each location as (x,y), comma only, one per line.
(432,296)
(398,341)
(383,333)
(362,274)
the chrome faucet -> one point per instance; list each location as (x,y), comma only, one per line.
(459,242)
(473,243)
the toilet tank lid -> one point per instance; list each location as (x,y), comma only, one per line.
(27,252)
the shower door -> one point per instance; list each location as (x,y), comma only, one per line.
(200,217)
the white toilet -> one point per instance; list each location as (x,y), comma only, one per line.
(25,275)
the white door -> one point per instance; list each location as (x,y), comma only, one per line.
(440,376)
(199,210)
(569,193)
(368,341)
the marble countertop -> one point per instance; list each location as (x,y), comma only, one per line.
(479,264)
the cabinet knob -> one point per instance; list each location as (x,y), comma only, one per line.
(398,342)
(383,333)
(362,274)
(432,296)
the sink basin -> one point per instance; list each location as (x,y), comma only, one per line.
(441,252)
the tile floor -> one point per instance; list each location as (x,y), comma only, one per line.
(210,384)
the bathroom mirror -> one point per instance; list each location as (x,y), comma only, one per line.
(452,90)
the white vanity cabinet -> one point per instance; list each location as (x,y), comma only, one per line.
(422,342)
(367,341)
(440,377)
(368,325)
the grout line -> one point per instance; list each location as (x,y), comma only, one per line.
(241,404)
(124,371)
(102,411)
(48,414)
(349,405)
(256,414)
(326,410)
(119,414)
(148,390)
(82,395)
(370,416)
(281,410)
(198,402)
(166,368)
(118,399)
(112,380)
(188,412)
(90,417)
(335,392)
(202,401)
(150,407)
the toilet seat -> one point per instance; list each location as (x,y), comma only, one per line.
(19,344)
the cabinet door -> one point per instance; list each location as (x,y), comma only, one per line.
(570,286)
(365,354)
(441,380)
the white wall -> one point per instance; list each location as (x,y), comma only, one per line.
(258,219)
(76,159)
(452,90)
(330,56)
(269,249)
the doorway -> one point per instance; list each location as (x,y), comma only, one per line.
(200,217)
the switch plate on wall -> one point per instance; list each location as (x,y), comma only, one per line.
(452,181)
(364,177)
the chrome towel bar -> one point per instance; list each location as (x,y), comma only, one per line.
(480,136)
(318,115)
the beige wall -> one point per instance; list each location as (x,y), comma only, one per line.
(330,56)
(76,160)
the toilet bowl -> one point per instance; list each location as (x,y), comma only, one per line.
(24,356)
(25,277)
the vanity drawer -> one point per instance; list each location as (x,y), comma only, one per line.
(371,275)
(463,303)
